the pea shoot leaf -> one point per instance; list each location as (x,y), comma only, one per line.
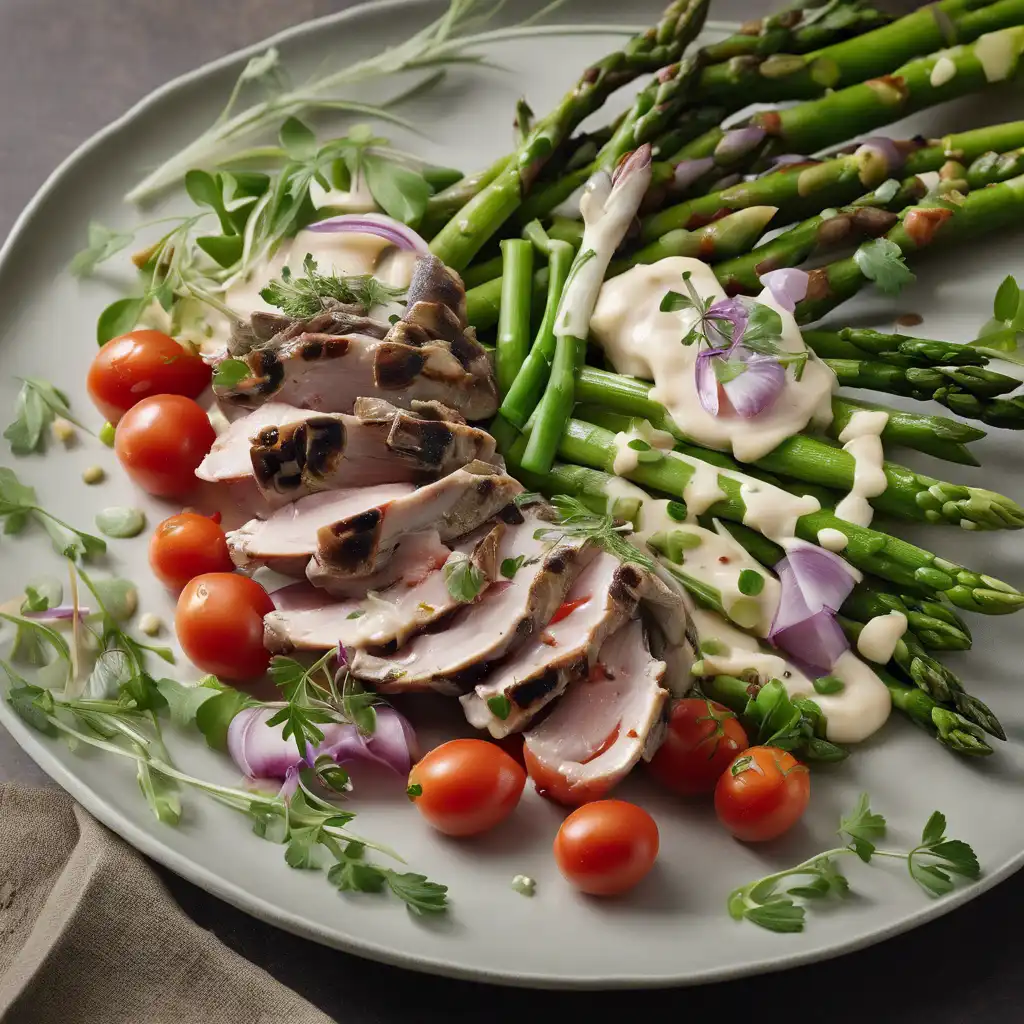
(103,242)
(118,318)
(400,192)
(31,704)
(882,262)
(214,715)
(37,405)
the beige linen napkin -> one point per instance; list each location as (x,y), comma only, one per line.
(89,935)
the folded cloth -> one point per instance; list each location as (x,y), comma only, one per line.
(89,934)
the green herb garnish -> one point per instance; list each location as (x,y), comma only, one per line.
(38,404)
(303,297)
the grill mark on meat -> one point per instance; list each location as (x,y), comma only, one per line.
(350,545)
(396,366)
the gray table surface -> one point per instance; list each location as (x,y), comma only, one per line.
(69,67)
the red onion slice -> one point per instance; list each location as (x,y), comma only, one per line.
(398,234)
(738,143)
(788,286)
(262,752)
(881,155)
(815,643)
(687,172)
(707,382)
(61,613)
(758,387)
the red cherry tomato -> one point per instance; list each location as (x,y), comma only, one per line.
(464,787)
(702,739)
(762,794)
(161,441)
(185,546)
(219,620)
(142,363)
(606,847)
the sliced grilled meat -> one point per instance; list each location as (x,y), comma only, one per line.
(288,539)
(270,329)
(599,730)
(304,618)
(454,506)
(506,616)
(606,595)
(326,451)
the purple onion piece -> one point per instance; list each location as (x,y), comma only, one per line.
(398,234)
(815,643)
(758,387)
(787,286)
(738,143)
(688,172)
(707,382)
(262,752)
(883,152)
(820,577)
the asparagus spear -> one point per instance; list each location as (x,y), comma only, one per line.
(805,190)
(514,323)
(608,207)
(718,240)
(920,382)
(736,694)
(898,349)
(936,435)
(996,412)
(993,166)
(783,76)
(869,217)
(940,220)
(861,108)
(462,238)
(892,558)
(948,727)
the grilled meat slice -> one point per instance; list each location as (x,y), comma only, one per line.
(288,539)
(326,451)
(506,616)
(305,619)
(266,329)
(599,730)
(606,595)
(328,372)
(454,505)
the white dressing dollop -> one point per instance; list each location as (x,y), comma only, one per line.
(862,438)
(642,341)
(880,635)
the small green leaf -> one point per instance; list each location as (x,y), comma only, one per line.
(463,579)
(214,716)
(118,318)
(301,851)
(500,706)
(1007,299)
(414,791)
(672,302)
(510,566)
(184,702)
(43,593)
(781,915)
(881,260)
(297,140)
(121,522)
(933,880)
(829,684)
(357,614)
(400,192)
(226,250)
(230,373)
(764,328)
(419,895)
(161,793)
(103,242)
(934,829)
(32,705)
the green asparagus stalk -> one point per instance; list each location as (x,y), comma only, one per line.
(996,412)
(920,382)
(892,558)
(463,237)
(513,341)
(866,106)
(939,436)
(935,221)
(994,166)
(949,728)
(522,397)
(608,209)
(718,240)
(898,349)
(784,76)
(930,675)
(869,217)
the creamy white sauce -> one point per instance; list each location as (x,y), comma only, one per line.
(357,199)
(880,635)
(832,540)
(944,71)
(863,440)
(642,341)
(607,212)
(627,458)
(853,714)
(569,208)
(997,53)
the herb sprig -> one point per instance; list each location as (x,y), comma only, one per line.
(882,261)
(303,297)
(576,520)
(1000,336)
(933,864)
(38,404)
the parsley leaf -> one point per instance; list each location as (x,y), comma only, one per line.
(883,262)
(230,373)
(500,706)
(419,894)
(510,566)
(863,827)
(463,578)
(301,718)
(37,405)
(304,297)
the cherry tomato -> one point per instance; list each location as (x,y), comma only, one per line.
(161,441)
(702,739)
(762,794)
(464,787)
(219,620)
(606,847)
(142,363)
(186,546)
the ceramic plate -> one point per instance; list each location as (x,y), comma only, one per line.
(674,928)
